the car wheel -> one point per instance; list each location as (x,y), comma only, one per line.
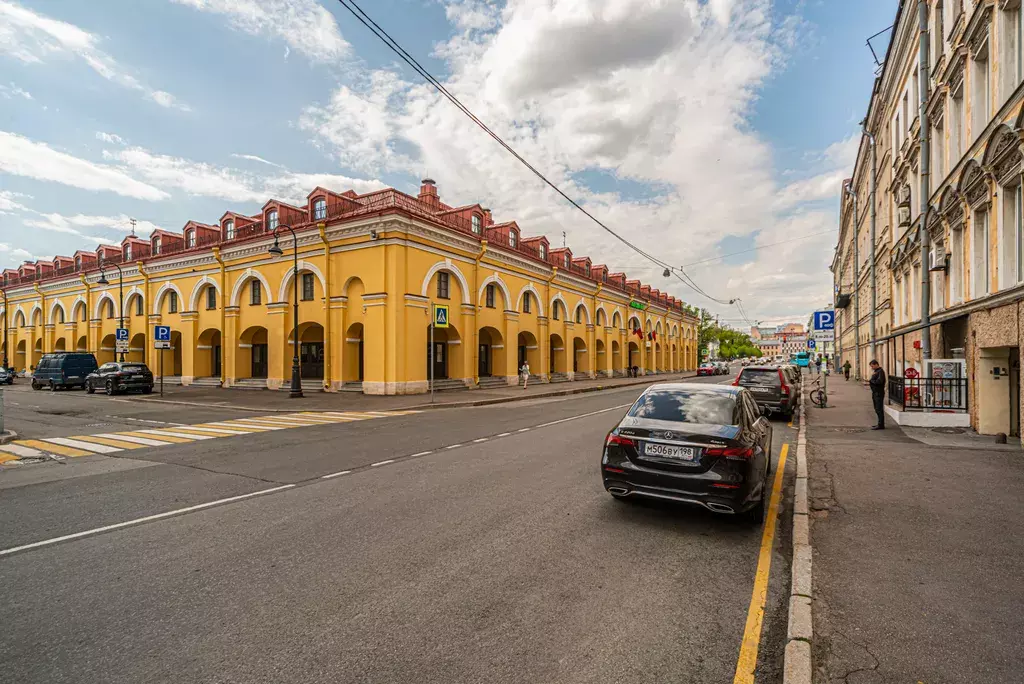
(109,388)
(36,385)
(147,390)
(89,388)
(758,513)
(52,387)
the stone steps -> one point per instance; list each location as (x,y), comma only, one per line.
(558,377)
(447,385)
(494,382)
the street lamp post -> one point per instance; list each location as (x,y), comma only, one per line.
(275,250)
(120,293)
(5,328)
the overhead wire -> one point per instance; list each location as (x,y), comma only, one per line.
(395,47)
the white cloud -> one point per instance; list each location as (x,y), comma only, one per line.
(9,202)
(253,157)
(11,91)
(20,156)
(165,99)
(111,138)
(304,25)
(210,180)
(71,225)
(35,38)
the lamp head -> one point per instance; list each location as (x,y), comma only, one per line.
(275,249)
(103,279)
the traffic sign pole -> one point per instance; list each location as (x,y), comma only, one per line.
(161,372)
(430,361)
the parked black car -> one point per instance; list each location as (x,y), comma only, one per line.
(774,388)
(121,376)
(63,370)
(707,445)
(7,376)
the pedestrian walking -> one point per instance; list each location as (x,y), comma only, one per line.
(525,372)
(877,383)
(817,365)
(846,369)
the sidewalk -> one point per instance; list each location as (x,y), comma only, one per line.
(918,566)
(276,400)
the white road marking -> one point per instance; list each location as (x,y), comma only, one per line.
(22,451)
(172,433)
(130,438)
(503,434)
(256,422)
(239,427)
(139,521)
(453,446)
(143,420)
(328,477)
(220,432)
(380,463)
(583,415)
(84,446)
(482,439)
(523,430)
(422,453)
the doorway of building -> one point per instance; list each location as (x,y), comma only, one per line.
(260,360)
(215,358)
(1015,392)
(439,357)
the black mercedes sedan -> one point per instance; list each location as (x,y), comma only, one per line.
(707,445)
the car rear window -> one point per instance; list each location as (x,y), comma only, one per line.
(759,376)
(712,408)
(133,368)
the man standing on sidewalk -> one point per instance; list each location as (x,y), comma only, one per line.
(877,383)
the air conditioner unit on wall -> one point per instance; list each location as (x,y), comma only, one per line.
(937,260)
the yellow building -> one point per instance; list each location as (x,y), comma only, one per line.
(369,268)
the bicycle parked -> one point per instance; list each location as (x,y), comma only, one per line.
(818,396)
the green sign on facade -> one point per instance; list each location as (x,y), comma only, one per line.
(633,304)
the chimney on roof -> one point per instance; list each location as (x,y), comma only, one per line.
(428,193)
(488,221)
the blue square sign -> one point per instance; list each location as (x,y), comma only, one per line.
(122,335)
(824,320)
(162,333)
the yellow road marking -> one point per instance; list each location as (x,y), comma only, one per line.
(109,442)
(71,452)
(747,662)
(162,437)
(4,457)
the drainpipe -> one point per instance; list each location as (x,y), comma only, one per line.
(923,137)
(88,312)
(856,282)
(547,342)
(874,282)
(223,314)
(476,310)
(327,300)
(147,353)
(42,307)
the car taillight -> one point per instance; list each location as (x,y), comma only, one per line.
(616,440)
(736,382)
(784,388)
(741,452)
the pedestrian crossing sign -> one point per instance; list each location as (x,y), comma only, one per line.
(440,315)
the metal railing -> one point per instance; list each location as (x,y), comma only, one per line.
(928,394)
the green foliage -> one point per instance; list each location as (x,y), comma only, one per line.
(732,343)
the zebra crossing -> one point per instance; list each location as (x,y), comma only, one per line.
(113,442)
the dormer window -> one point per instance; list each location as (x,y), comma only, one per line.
(190,238)
(588,270)
(272,220)
(319,209)
(128,251)
(476,224)
(156,244)
(78,264)
(567,260)
(229,230)
(543,251)
(512,238)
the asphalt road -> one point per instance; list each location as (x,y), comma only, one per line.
(500,559)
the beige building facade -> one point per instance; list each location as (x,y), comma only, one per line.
(974,216)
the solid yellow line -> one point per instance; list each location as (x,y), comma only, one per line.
(161,438)
(747,662)
(70,452)
(109,442)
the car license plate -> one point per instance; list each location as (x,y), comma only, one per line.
(759,390)
(665,451)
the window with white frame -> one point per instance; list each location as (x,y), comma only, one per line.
(937,301)
(956,265)
(1008,25)
(956,124)
(211,298)
(128,251)
(172,302)
(271,220)
(139,304)
(229,230)
(476,224)
(543,251)
(526,302)
(156,245)
(979,254)
(190,238)
(319,209)
(512,238)
(1009,238)
(981,93)
(938,151)
(938,33)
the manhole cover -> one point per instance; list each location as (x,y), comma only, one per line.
(949,430)
(46,412)
(849,430)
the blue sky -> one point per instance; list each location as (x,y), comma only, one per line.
(695,128)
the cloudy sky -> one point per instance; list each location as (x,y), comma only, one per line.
(697,129)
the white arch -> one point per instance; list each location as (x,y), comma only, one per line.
(536,295)
(585,310)
(99,304)
(447,265)
(36,309)
(164,289)
(282,295)
(14,318)
(250,274)
(75,305)
(559,298)
(496,279)
(597,315)
(193,300)
(53,310)
(657,327)
(617,314)
(348,283)
(633,317)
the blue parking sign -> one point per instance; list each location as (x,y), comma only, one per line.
(824,320)
(162,333)
(810,344)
